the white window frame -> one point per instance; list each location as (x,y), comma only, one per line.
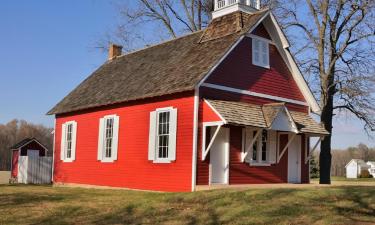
(64,140)
(157,158)
(103,142)
(263,51)
(171,139)
(259,143)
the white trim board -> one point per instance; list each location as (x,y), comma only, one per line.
(195,140)
(251,93)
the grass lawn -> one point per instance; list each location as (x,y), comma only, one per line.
(27,204)
(333,179)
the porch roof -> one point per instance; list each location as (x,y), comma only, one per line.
(265,116)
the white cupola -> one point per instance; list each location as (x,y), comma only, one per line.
(224,7)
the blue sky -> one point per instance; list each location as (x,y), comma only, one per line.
(47,49)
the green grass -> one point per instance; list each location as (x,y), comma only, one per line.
(27,204)
(333,179)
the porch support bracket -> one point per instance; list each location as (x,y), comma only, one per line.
(244,155)
(286,147)
(307,158)
(206,151)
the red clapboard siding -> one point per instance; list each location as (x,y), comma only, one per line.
(261,31)
(14,172)
(208,115)
(33,146)
(237,71)
(132,168)
(242,173)
(211,93)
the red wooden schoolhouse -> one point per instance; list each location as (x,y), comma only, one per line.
(226,105)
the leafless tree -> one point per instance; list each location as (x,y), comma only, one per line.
(333,42)
(147,21)
(15,131)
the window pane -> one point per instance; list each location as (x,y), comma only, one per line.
(68,141)
(108,137)
(163,134)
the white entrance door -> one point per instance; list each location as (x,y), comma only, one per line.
(219,157)
(294,160)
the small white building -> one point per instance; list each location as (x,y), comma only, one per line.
(354,168)
(371,170)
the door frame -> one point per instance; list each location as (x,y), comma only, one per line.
(298,157)
(227,158)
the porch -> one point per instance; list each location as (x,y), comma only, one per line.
(253,144)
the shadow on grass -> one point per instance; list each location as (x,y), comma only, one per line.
(363,207)
(26,195)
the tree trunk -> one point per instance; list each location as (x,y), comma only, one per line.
(325,146)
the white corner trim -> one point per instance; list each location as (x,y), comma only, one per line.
(251,93)
(195,139)
(216,112)
(220,61)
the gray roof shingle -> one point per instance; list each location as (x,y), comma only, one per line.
(245,114)
(170,67)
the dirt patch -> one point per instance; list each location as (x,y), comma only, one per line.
(4,177)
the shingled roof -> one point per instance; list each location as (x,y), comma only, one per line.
(245,114)
(170,67)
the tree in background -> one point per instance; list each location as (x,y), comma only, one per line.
(149,21)
(17,130)
(332,41)
(340,157)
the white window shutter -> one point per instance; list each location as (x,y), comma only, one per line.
(74,140)
(116,122)
(272,146)
(152,136)
(101,138)
(63,137)
(172,134)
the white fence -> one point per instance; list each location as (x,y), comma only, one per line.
(34,170)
